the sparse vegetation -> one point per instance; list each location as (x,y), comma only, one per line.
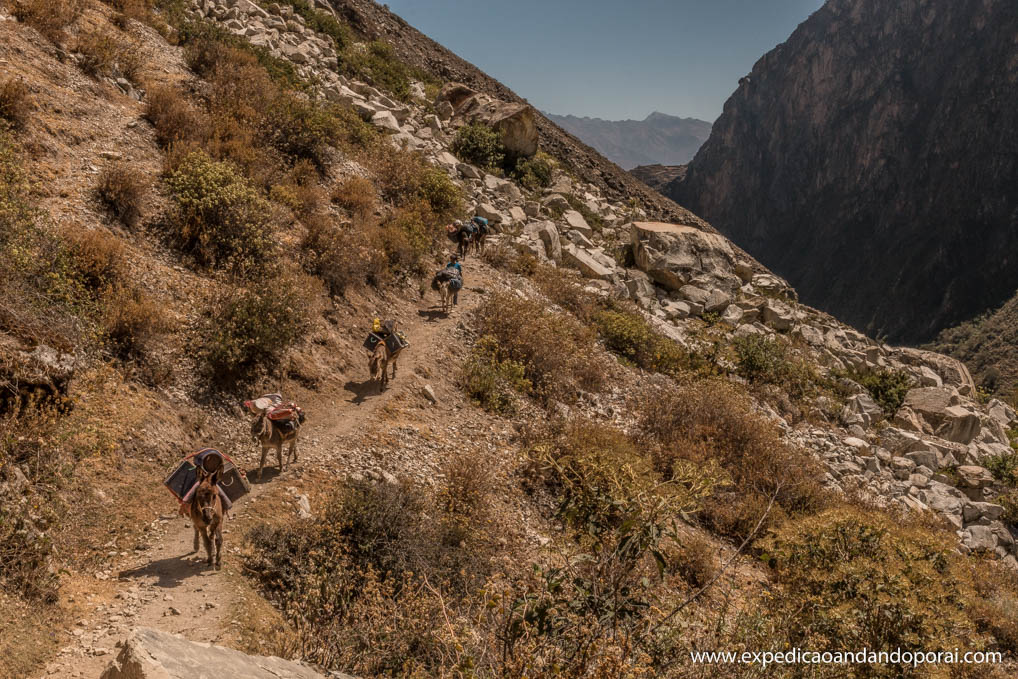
(47,17)
(376,63)
(106,54)
(554,349)
(496,384)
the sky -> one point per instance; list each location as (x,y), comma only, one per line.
(620,59)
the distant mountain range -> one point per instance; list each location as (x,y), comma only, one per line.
(657,139)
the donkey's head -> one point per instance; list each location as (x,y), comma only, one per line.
(206,498)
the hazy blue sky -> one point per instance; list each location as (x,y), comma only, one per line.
(612,59)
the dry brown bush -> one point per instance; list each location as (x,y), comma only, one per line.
(344,255)
(696,560)
(15,103)
(96,260)
(356,195)
(48,17)
(132,320)
(107,54)
(174,118)
(706,420)
(122,189)
(557,351)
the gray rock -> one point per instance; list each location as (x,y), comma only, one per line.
(673,254)
(584,262)
(532,208)
(151,654)
(385,120)
(576,222)
(468,171)
(979,538)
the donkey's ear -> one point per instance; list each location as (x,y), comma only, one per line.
(214,477)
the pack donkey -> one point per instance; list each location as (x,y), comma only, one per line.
(207,516)
(270,433)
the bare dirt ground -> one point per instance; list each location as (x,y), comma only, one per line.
(352,428)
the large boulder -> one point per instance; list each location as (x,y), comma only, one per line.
(516,123)
(674,254)
(943,412)
(585,262)
(151,654)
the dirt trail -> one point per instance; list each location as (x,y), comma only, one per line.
(167,587)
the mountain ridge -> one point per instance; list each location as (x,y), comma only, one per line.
(659,138)
(862,155)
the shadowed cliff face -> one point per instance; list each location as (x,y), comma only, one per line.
(872,160)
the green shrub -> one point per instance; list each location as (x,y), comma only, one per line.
(480,145)
(377,63)
(245,332)
(322,22)
(219,217)
(887,387)
(495,384)
(770,360)
(854,579)
(1009,501)
(16,211)
(629,335)
(303,129)
(207,45)
(535,172)
(410,237)
(441,193)
(1004,467)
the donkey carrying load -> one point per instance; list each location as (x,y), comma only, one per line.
(275,424)
(384,344)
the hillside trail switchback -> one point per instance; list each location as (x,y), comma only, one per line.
(169,588)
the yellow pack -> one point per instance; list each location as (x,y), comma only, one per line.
(376,326)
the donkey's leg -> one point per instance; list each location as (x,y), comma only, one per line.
(393,368)
(207,539)
(261,465)
(195,547)
(279,454)
(293,449)
(219,545)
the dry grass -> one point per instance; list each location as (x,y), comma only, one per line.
(48,17)
(15,103)
(556,350)
(711,420)
(122,189)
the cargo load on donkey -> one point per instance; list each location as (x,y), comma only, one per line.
(386,332)
(184,478)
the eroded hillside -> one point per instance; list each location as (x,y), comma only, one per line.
(627,441)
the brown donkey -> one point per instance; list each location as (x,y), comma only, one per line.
(378,363)
(273,435)
(207,517)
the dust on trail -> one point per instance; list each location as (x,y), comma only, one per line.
(167,587)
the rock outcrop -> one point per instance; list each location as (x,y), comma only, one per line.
(515,122)
(151,654)
(876,150)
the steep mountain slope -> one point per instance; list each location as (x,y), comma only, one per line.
(989,346)
(658,177)
(636,404)
(657,139)
(872,159)
(413,47)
